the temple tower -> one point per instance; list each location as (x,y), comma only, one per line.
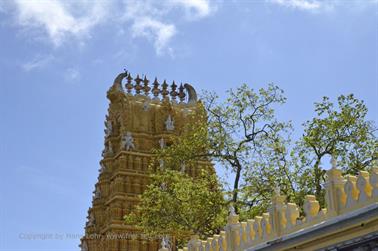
(140,118)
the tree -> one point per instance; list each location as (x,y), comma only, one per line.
(175,203)
(242,131)
(341,132)
(242,135)
(178,205)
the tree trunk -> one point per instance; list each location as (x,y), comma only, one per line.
(236,187)
(317,178)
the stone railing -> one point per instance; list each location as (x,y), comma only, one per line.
(343,194)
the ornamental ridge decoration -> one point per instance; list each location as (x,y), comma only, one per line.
(185,93)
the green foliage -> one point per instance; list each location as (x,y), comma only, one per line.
(178,205)
(190,147)
(243,135)
(341,132)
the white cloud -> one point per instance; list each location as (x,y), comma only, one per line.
(37,62)
(194,8)
(149,25)
(57,18)
(160,33)
(299,4)
(153,24)
(61,20)
(325,5)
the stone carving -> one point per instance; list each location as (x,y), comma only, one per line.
(182,168)
(162,143)
(143,85)
(102,169)
(181,94)
(192,95)
(164,92)
(97,194)
(163,186)
(174,93)
(128,141)
(91,220)
(137,86)
(146,88)
(164,242)
(169,123)
(108,149)
(108,128)
(118,81)
(156,90)
(161,164)
(146,106)
(129,85)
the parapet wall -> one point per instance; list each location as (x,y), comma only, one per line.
(344,195)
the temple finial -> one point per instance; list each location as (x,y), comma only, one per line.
(137,86)
(181,93)
(155,89)
(164,91)
(129,85)
(146,88)
(173,91)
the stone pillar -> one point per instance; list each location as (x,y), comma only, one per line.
(335,195)
(277,214)
(233,230)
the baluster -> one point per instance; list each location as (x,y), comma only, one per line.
(351,191)
(364,187)
(374,181)
(335,195)
(214,243)
(208,244)
(222,241)
(265,226)
(194,243)
(249,231)
(311,207)
(243,234)
(257,228)
(203,245)
(292,214)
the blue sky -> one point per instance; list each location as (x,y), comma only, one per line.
(58,58)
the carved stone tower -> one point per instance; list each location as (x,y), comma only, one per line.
(137,122)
